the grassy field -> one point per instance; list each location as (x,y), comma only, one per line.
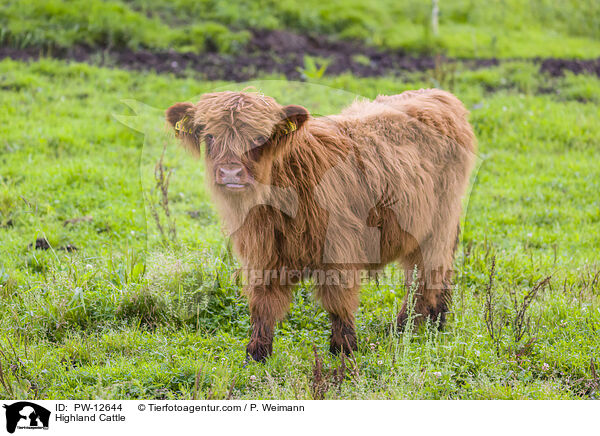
(95,302)
(500,28)
(126,316)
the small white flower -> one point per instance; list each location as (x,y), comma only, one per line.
(545,367)
(437,374)
(380,362)
(252,378)
(372,345)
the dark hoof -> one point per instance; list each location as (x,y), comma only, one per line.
(259,352)
(349,344)
(441,320)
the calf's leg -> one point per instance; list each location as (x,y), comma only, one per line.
(431,299)
(341,303)
(268,304)
(433,280)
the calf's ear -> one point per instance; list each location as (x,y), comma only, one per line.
(294,117)
(180,117)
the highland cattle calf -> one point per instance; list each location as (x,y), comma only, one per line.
(329,197)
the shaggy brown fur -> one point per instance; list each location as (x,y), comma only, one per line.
(381,182)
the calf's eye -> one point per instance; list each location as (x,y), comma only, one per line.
(256,151)
(208,140)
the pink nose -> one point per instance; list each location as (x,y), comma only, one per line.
(227,174)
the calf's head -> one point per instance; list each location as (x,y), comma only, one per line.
(242,133)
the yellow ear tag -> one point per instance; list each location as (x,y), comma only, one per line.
(180,126)
(291,126)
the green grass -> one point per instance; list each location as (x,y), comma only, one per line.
(502,28)
(126,317)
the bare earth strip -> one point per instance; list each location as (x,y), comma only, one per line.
(279,52)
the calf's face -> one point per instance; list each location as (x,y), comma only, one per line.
(242,133)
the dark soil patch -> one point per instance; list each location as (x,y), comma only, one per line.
(7,224)
(43,244)
(40,244)
(70,248)
(557,67)
(271,52)
(280,52)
